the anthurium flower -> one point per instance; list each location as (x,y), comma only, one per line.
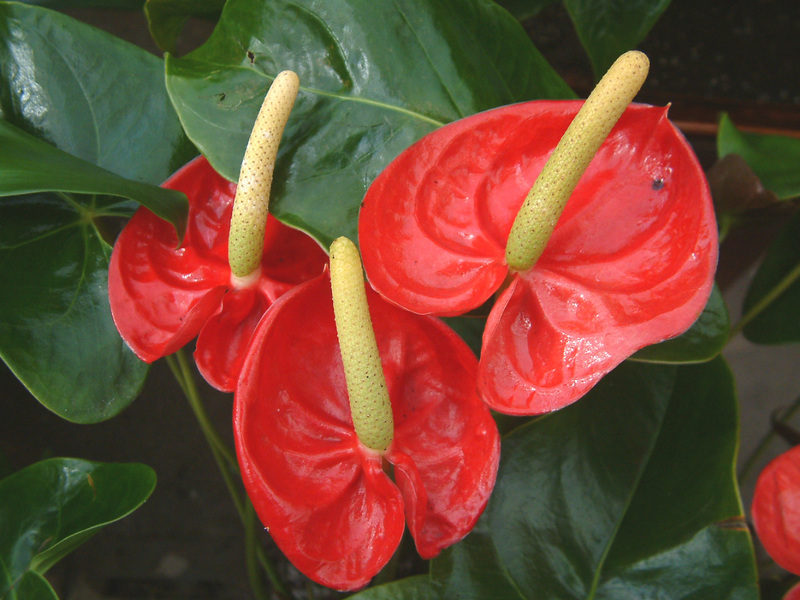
(233,263)
(333,489)
(629,263)
(164,294)
(776,509)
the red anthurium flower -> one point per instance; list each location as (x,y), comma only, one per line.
(331,503)
(793,594)
(163,295)
(776,509)
(630,263)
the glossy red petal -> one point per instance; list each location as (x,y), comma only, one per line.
(303,466)
(793,594)
(776,509)
(446,447)
(323,497)
(162,295)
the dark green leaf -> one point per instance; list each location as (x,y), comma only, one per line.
(31,586)
(55,321)
(608,28)
(45,509)
(772,303)
(27,164)
(418,587)
(525,9)
(703,341)
(629,493)
(375,76)
(60,4)
(166,18)
(774,158)
(103,101)
(89,94)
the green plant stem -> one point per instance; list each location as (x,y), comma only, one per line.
(747,467)
(228,467)
(762,304)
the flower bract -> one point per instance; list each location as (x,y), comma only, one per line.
(336,508)
(630,263)
(164,294)
(776,509)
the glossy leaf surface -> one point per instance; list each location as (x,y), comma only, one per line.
(774,158)
(103,101)
(323,495)
(630,263)
(774,294)
(776,509)
(609,29)
(627,494)
(374,78)
(51,507)
(418,587)
(163,295)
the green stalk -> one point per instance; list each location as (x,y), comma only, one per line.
(228,467)
(756,454)
(762,304)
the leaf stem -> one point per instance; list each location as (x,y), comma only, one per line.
(762,304)
(228,468)
(756,454)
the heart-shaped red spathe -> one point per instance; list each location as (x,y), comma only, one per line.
(630,263)
(325,498)
(164,295)
(776,509)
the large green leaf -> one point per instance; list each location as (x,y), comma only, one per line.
(525,9)
(774,158)
(103,101)
(28,164)
(419,587)
(51,507)
(772,303)
(375,76)
(629,493)
(608,28)
(703,341)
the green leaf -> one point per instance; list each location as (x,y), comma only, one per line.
(89,94)
(629,493)
(32,586)
(419,587)
(374,76)
(772,303)
(703,341)
(103,101)
(166,18)
(525,9)
(774,158)
(55,320)
(609,28)
(49,508)
(61,4)
(27,164)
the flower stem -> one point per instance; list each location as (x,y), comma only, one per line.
(366,383)
(228,468)
(762,304)
(756,454)
(251,204)
(537,218)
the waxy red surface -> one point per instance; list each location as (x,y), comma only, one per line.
(630,263)
(164,295)
(336,508)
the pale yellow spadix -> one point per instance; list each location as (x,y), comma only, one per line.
(363,372)
(251,204)
(545,202)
